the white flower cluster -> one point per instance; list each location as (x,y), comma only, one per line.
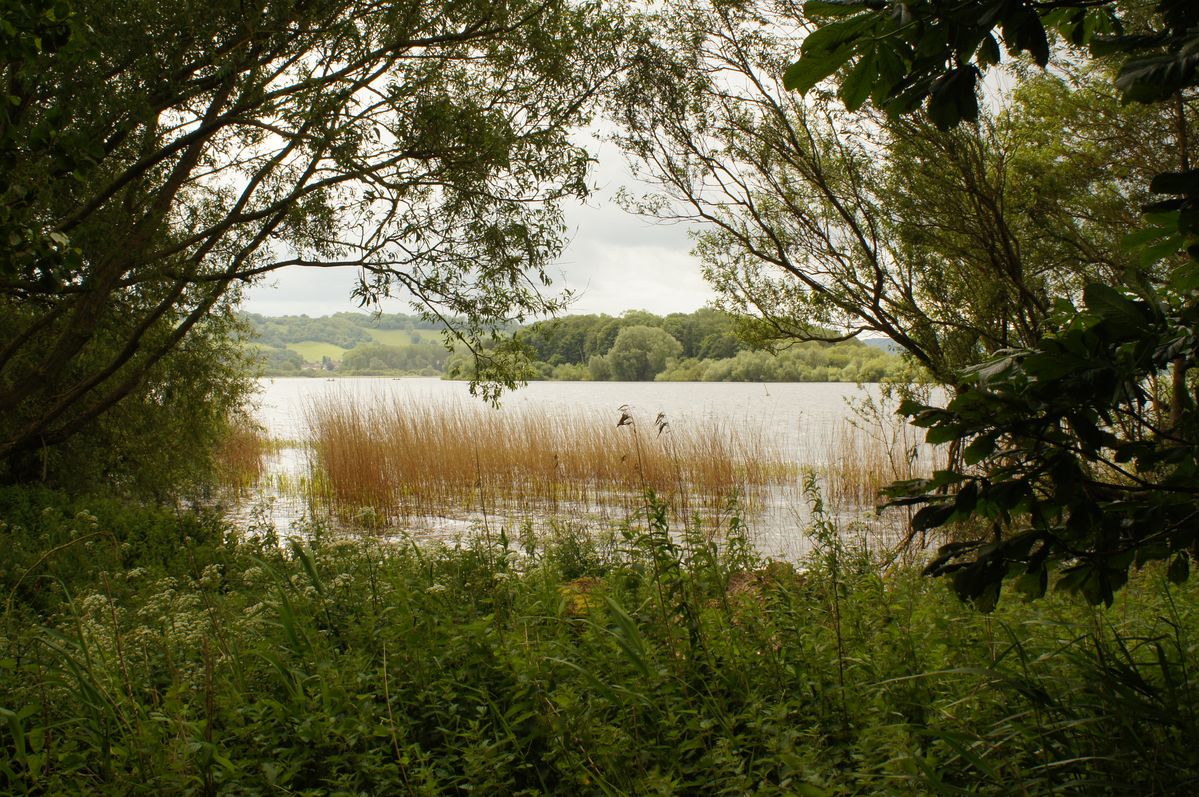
(253,574)
(210,576)
(93,605)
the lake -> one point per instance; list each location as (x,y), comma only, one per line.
(799,421)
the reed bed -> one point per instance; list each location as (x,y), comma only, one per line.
(240,459)
(418,459)
(863,458)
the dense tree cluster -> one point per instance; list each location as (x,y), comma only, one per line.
(575,339)
(344,330)
(427,358)
(707,345)
(703,346)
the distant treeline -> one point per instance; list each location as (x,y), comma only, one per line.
(635,346)
(341,329)
(699,346)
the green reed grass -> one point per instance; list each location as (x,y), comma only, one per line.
(863,458)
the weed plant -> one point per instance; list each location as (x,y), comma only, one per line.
(147,652)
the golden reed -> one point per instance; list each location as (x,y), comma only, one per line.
(420,458)
(240,458)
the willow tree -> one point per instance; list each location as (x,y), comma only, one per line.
(159,155)
(811,218)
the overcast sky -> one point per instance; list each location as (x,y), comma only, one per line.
(615,262)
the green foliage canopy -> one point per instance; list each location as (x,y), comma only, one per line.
(640,353)
(158,155)
(1081,449)
(819,224)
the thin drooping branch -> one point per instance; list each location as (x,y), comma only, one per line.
(426,145)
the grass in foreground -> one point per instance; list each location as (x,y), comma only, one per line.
(147,653)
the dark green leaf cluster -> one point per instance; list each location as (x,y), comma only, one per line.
(1065,460)
(903,55)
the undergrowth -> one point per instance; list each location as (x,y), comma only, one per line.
(149,652)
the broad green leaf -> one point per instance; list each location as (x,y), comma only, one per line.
(965,500)
(941,434)
(993,369)
(1156,78)
(1007,495)
(809,70)
(891,70)
(1185,277)
(1025,32)
(856,86)
(1071,580)
(815,9)
(988,53)
(1165,247)
(952,98)
(1176,182)
(1046,366)
(1145,236)
(980,448)
(1115,307)
(1166,206)
(931,517)
(836,35)
(980,582)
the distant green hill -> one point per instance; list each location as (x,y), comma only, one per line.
(635,346)
(295,345)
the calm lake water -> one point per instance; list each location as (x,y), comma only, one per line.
(796,417)
(797,420)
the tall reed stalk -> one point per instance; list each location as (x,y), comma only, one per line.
(241,456)
(416,459)
(863,459)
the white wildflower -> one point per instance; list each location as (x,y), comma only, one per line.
(93,604)
(210,576)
